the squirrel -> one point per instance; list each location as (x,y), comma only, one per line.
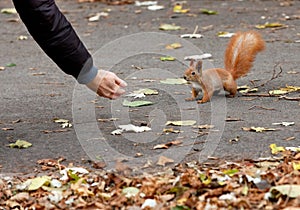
(239,57)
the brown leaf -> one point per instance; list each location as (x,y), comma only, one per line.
(162,161)
(167,145)
(7,129)
(99,165)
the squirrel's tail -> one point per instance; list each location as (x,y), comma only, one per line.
(241,52)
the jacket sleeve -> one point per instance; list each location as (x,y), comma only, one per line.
(56,36)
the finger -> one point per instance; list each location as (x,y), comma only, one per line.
(120,82)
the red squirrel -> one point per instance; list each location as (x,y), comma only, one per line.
(239,57)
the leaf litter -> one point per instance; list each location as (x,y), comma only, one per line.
(266,183)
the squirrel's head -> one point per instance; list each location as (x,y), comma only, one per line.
(194,72)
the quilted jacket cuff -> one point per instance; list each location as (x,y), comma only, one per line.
(87,73)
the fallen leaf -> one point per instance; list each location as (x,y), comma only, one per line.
(22,37)
(174,81)
(169,27)
(246,89)
(277,92)
(162,161)
(167,58)
(198,57)
(232,119)
(108,120)
(155,7)
(98,16)
(147,91)
(208,12)
(2,68)
(145,3)
(38,182)
(290,190)
(10,65)
(130,128)
(284,123)
(64,123)
(290,88)
(9,11)
(275,149)
(191,36)
(23,196)
(136,103)
(182,123)
(269,25)
(172,46)
(149,203)
(20,144)
(130,192)
(99,165)
(296,165)
(138,154)
(225,34)
(7,129)
(171,130)
(55,131)
(178,8)
(206,126)
(167,145)
(71,172)
(231,172)
(258,129)
(293,149)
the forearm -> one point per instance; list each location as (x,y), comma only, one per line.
(55,35)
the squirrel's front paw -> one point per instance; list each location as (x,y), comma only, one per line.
(202,101)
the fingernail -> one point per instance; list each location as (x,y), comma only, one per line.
(123,84)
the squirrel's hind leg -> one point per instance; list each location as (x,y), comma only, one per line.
(231,87)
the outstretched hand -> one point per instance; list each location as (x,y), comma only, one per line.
(107,84)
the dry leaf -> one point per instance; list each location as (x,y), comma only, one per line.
(162,161)
(171,130)
(169,27)
(275,149)
(258,129)
(167,145)
(181,122)
(173,46)
(198,57)
(206,126)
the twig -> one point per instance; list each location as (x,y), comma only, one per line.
(196,29)
(261,107)
(258,95)
(274,76)
(290,98)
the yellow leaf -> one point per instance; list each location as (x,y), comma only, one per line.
(38,182)
(175,45)
(269,25)
(296,166)
(275,150)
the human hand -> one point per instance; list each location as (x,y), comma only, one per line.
(107,84)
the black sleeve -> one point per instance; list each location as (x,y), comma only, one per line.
(54,34)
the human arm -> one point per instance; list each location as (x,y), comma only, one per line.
(56,36)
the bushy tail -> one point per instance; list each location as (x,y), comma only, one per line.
(241,52)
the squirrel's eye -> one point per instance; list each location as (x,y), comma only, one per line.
(193,73)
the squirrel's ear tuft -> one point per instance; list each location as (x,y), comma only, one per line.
(192,63)
(199,66)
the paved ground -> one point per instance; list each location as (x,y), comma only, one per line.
(35,91)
